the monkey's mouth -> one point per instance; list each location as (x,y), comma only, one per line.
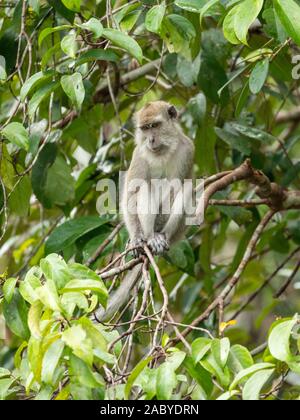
(155,149)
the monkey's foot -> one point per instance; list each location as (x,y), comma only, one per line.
(138,244)
(158,244)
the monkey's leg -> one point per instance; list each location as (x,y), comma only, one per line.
(148,209)
(177,215)
(133,224)
(120,297)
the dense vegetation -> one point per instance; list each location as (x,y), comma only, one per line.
(217,317)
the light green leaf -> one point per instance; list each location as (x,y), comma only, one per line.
(175,359)
(124,41)
(220,350)
(191,5)
(8,288)
(69,45)
(248,372)
(279,340)
(258,76)
(227,395)
(33,81)
(74,88)
(134,374)
(166,381)
(48,31)
(206,7)
(73,5)
(200,347)
(254,385)
(39,96)
(34,317)
(55,268)
(246,13)
(93,25)
(51,360)
(3,75)
(155,17)
(95,55)
(228,26)
(16,134)
(48,296)
(288,12)
(239,358)
(76,338)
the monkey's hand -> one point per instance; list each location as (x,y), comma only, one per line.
(137,243)
(158,244)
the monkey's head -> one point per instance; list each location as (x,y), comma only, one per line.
(156,127)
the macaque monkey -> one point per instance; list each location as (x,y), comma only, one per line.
(162,152)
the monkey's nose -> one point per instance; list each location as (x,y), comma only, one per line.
(152,141)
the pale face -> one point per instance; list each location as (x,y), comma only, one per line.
(156,135)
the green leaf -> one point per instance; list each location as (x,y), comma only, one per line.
(8,289)
(48,295)
(33,81)
(245,14)
(67,233)
(51,360)
(248,372)
(30,284)
(228,26)
(200,347)
(17,134)
(124,41)
(3,75)
(96,55)
(134,374)
(202,377)
(34,317)
(191,5)
(39,96)
(166,381)
(82,373)
(15,313)
(227,395)
(254,385)
(48,31)
(85,285)
(93,25)
(55,268)
(155,17)
(76,338)
(239,358)
(74,88)
(184,27)
(279,340)
(73,5)
(220,350)
(19,200)
(258,76)
(69,45)
(288,12)
(206,7)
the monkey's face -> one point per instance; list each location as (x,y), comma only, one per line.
(156,129)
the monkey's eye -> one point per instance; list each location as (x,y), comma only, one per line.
(155,124)
(146,127)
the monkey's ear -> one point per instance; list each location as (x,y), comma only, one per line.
(172,112)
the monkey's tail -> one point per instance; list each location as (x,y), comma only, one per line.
(121,296)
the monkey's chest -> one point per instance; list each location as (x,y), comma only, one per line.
(162,171)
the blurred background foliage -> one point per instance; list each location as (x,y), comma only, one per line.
(72,75)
